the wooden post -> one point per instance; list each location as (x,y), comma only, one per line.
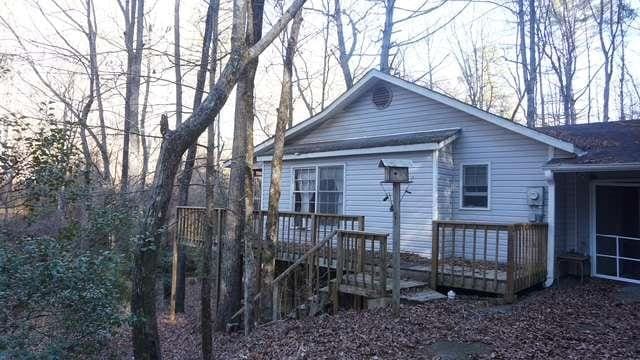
(435,251)
(339,265)
(276,302)
(175,275)
(396,249)
(509,291)
(383,266)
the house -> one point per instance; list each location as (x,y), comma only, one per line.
(470,167)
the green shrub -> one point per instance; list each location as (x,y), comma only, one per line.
(56,302)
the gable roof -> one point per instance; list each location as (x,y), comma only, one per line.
(435,137)
(373,76)
(610,143)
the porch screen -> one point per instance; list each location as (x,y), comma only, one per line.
(475,186)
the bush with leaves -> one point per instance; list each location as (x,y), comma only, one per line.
(57,302)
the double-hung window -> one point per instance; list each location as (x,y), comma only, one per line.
(319,189)
(475,186)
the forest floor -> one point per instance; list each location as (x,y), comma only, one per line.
(592,321)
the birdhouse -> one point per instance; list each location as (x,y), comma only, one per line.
(395,171)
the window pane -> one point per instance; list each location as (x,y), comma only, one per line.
(475,187)
(475,201)
(304,189)
(330,178)
(330,189)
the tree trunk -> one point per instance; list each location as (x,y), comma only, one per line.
(177,59)
(284,117)
(134,18)
(206,316)
(95,74)
(533,71)
(175,143)
(385,48)
(239,219)
(143,136)
(177,306)
(206,329)
(343,57)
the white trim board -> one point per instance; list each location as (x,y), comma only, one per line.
(362,151)
(363,85)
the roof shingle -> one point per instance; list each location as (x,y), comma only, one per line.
(616,142)
(423,137)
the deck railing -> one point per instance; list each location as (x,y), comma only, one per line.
(362,262)
(489,257)
(297,232)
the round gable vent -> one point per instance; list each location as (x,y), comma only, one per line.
(381,96)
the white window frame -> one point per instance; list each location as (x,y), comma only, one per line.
(461,191)
(316,167)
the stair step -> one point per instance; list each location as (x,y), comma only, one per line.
(422,296)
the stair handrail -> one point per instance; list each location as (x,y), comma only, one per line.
(292,267)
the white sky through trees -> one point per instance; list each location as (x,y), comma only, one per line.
(484,22)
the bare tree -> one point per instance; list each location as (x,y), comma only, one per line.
(561,25)
(177,59)
(206,321)
(178,286)
(344,55)
(528,55)
(285,109)
(239,219)
(608,17)
(144,143)
(475,64)
(133,12)
(174,144)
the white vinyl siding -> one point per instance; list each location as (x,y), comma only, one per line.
(364,194)
(516,161)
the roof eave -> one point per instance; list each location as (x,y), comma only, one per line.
(593,167)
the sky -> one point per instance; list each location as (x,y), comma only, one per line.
(21,91)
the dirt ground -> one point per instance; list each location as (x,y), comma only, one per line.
(596,320)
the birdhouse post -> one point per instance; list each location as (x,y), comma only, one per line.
(396,172)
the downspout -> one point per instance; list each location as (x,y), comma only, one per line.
(551,221)
(435,208)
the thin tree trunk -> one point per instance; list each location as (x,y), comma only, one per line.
(175,143)
(143,136)
(622,74)
(206,318)
(206,329)
(343,57)
(284,117)
(177,305)
(177,59)
(134,18)
(385,48)
(531,84)
(95,73)
(245,98)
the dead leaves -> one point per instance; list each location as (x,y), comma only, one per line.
(577,322)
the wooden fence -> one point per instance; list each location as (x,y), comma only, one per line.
(489,257)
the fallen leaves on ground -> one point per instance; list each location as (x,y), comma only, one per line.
(573,322)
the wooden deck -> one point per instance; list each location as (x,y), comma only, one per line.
(495,258)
